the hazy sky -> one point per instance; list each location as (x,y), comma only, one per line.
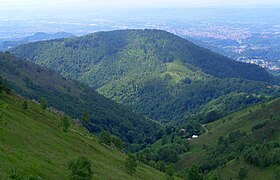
(24,4)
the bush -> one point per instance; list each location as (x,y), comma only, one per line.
(4,87)
(80,169)
(194,173)
(24,105)
(242,173)
(170,170)
(43,103)
(131,164)
(85,116)
(117,142)
(105,138)
(211,116)
(65,123)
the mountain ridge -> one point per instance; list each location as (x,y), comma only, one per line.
(155,72)
(151,35)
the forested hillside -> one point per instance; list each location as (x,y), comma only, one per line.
(156,73)
(76,100)
(243,145)
(34,144)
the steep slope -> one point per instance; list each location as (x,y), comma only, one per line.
(247,139)
(156,73)
(33,146)
(35,82)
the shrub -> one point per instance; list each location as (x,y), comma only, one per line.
(80,169)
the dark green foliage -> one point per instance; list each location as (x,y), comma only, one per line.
(16,176)
(142,157)
(35,82)
(117,142)
(85,116)
(161,166)
(4,87)
(80,169)
(65,123)
(263,155)
(256,148)
(131,164)
(105,138)
(43,103)
(19,175)
(242,173)
(168,153)
(24,105)
(225,151)
(155,72)
(170,171)
(194,173)
(259,126)
(211,116)
(164,140)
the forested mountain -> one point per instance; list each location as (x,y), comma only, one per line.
(155,72)
(76,100)
(35,146)
(40,36)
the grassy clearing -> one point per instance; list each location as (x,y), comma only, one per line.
(178,71)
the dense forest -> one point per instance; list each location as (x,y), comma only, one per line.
(155,72)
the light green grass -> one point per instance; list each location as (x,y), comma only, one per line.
(178,71)
(32,143)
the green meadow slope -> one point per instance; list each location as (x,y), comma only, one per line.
(32,144)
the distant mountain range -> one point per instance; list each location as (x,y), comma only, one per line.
(40,36)
(158,74)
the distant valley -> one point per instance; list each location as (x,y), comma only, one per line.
(6,44)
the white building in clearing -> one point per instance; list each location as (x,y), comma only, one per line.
(194,136)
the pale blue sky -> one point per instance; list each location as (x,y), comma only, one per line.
(10,4)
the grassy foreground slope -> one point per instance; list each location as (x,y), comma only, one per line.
(33,144)
(247,139)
